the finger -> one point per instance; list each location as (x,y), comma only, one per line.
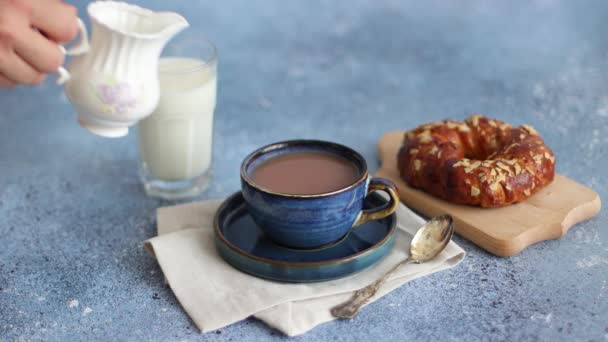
(13,24)
(18,70)
(39,52)
(6,83)
(61,26)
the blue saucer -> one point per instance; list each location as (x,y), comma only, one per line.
(243,245)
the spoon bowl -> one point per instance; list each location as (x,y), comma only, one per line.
(431,238)
(427,243)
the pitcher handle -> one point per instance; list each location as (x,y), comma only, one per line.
(82,46)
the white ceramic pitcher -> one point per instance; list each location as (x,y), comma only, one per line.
(112,82)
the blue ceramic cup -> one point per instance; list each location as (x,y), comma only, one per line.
(313,221)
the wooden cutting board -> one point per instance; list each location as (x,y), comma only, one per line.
(505,231)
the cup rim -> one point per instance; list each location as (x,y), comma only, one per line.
(301,142)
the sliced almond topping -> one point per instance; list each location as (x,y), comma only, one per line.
(508,187)
(475,191)
(492,123)
(472,166)
(459,163)
(527,192)
(501,178)
(505,126)
(522,136)
(511,147)
(433,150)
(464,128)
(425,137)
(494,186)
(417,164)
(504,167)
(517,169)
(467,181)
(439,154)
(493,172)
(475,119)
(533,185)
(530,129)
(414,151)
(511,161)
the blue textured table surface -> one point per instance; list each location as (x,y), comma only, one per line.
(73,215)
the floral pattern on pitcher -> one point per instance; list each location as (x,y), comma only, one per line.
(117,97)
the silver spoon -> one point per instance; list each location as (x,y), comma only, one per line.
(427,243)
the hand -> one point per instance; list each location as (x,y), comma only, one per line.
(30,34)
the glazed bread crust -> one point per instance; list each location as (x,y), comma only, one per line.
(481,162)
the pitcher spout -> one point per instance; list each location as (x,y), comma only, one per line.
(172,24)
(134,21)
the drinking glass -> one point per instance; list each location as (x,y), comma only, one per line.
(175,142)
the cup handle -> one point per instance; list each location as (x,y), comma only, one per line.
(380,184)
(82,46)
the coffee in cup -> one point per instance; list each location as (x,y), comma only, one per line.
(305,173)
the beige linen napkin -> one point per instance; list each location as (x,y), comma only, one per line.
(215,294)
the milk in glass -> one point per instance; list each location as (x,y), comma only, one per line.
(175,142)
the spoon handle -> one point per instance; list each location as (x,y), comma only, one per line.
(350,308)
